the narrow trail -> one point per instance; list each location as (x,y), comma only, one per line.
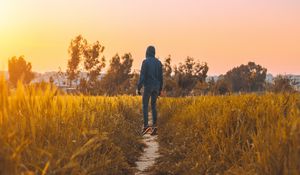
(149,155)
(147,159)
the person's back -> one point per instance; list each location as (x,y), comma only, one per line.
(151,72)
(151,77)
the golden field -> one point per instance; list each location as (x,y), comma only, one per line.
(245,134)
(42,132)
(45,132)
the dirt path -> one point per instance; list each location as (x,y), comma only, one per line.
(149,155)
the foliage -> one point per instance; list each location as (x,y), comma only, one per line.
(221,87)
(93,66)
(81,50)
(189,73)
(283,84)
(133,83)
(247,134)
(117,79)
(247,78)
(170,85)
(19,70)
(75,51)
(187,78)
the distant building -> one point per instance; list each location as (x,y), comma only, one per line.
(296,78)
(60,80)
(213,77)
(269,78)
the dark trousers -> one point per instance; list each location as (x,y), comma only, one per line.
(150,92)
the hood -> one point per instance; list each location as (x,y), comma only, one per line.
(150,52)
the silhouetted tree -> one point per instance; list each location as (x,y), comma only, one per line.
(211,84)
(19,70)
(167,68)
(169,81)
(117,78)
(283,84)
(187,75)
(247,78)
(201,88)
(75,51)
(93,65)
(222,86)
(133,83)
(83,86)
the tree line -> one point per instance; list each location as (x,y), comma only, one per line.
(185,79)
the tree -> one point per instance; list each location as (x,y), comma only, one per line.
(117,78)
(187,75)
(211,83)
(83,86)
(222,86)
(93,65)
(247,78)
(133,82)
(75,51)
(19,70)
(167,68)
(169,81)
(283,84)
(200,88)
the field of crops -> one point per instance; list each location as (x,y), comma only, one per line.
(248,134)
(44,132)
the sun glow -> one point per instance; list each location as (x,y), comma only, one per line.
(4,10)
(266,32)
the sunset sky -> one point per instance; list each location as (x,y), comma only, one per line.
(224,33)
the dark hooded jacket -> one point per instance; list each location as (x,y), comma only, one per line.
(151,75)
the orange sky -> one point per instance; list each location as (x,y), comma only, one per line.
(224,33)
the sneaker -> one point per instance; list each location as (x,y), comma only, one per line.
(154,131)
(145,130)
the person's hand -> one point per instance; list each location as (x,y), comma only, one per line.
(138,92)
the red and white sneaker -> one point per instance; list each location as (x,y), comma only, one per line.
(145,130)
(154,131)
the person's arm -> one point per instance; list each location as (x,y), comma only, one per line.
(142,76)
(161,78)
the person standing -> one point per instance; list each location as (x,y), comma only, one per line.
(151,78)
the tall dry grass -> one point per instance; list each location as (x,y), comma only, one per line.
(247,134)
(43,132)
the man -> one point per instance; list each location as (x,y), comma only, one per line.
(151,77)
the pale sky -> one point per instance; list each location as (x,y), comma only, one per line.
(224,33)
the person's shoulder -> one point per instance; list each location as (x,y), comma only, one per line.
(144,61)
(159,63)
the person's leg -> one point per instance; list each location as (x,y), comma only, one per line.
(146,97)
(154,96)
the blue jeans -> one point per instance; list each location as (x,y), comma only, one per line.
(153,93)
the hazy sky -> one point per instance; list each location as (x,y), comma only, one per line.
(224,33)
